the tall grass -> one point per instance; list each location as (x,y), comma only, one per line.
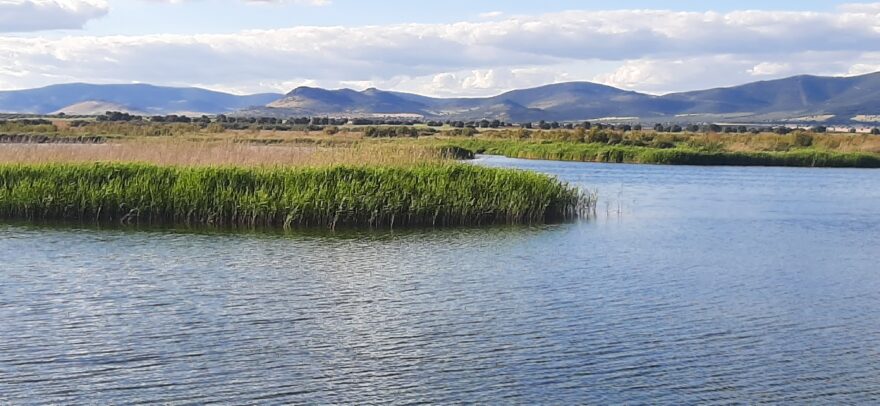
(229,152)
(425,195)
(730,142)
(596,152)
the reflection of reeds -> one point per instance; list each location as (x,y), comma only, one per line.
(376,196)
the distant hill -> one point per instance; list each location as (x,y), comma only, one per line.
(805,98)
(835,98)
(371,101)
(93,108)
(564,101)
(135,97)
(799,95)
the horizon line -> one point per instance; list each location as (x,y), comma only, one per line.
(205,88)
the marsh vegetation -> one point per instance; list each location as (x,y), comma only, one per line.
(196,173)
(330,196)
(229,180)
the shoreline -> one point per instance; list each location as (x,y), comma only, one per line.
(601,153)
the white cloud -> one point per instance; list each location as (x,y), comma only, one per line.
(492,14)
(37,15)
(637,49)
(306,2)
(476,82)
(870,8)
(770,69)
(316,3)
(659,75)
(864,68)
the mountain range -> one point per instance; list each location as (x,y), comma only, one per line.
(82,98)
(799,98)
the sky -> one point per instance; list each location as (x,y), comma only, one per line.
(437,48)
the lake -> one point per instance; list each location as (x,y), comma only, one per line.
(691,285)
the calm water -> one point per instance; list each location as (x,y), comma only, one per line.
(693,285)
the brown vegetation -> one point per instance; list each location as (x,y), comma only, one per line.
(185,152)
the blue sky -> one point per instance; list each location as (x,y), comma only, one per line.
(221,16)
(441,48)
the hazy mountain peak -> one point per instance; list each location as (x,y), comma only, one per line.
(796,96)
(146,98)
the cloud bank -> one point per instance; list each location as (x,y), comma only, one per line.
(648,50)
(302,2)
(38,15)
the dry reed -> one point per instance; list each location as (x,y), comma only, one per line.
(182,152)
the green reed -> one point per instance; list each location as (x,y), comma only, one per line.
(424,195)
(594,152)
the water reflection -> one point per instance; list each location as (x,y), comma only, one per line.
(715,285)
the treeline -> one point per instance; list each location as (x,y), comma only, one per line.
(398,132)
(741,129)
(301,121)
(319,123)
(331,125)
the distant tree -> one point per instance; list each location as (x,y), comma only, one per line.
(819,129)
(875,131)
(782,130)
(714,128)
(852,130)
(117,116)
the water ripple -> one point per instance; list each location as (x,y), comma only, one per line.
(718,286)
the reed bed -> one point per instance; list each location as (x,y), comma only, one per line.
(595,152)
(727,142)
(439,194)
(227,152)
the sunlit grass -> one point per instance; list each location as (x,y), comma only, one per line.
(438,194)
(223,152)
